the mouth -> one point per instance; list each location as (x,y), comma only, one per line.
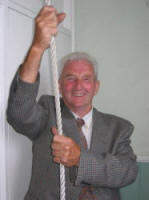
(78,94)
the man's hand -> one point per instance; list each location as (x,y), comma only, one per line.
(46,24)
(65,150)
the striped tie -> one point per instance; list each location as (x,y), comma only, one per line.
(87,191)
(80,123)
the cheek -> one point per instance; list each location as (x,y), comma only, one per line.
(67,86)
(88,87)
(91,89)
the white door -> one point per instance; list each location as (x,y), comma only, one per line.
(16,22)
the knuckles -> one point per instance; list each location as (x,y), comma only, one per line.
(70,141)
(64,150)
(47,14)
(48,8)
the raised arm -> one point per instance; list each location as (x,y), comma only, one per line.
(23,112)
(45,27)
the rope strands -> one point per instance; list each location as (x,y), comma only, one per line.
(57,104)
(58,112)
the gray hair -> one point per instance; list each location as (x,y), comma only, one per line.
(75,56)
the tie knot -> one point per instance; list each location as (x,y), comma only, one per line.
(80,122)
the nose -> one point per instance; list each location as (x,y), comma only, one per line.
(78,84)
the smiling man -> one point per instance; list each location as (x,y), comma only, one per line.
(95,148)
(78,85)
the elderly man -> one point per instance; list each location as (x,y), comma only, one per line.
(95,148)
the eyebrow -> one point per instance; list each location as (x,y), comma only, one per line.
(67,75)
(70,74)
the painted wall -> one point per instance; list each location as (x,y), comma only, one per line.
(138,190)
(116,32)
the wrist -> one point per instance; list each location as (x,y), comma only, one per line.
(37,49)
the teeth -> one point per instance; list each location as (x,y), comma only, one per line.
(78,95)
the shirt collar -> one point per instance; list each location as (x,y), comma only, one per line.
(87,118)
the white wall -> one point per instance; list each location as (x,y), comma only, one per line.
(17,24)
(116,32)
(2,112)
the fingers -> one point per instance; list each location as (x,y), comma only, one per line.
(46,26)
(61,17)
(64,150)
(47,20)
(62,156)
(50,12)
(54,131)
(47,10)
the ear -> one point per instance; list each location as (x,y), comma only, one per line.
(97,86)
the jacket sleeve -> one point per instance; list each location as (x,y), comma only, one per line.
(24,114)
(114,170)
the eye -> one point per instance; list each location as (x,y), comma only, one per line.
(70,78)
(86,78)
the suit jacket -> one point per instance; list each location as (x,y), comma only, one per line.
(108,165)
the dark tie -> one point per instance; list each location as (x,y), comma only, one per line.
(80,123)
(86,192)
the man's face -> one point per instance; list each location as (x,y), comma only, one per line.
(78,86)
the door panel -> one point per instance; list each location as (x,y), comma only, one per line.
(18,30)
(33,5)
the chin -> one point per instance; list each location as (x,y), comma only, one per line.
(79,105)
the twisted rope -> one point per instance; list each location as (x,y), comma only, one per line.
(57,104)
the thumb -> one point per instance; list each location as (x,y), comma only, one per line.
(60,17)
(54,131)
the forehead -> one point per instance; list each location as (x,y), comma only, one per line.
(78,66)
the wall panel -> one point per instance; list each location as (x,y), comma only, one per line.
(19,156)
(139,189)
(33,5)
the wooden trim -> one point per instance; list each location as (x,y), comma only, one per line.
(143,159)
(73,25)
(22,9)
(20,6)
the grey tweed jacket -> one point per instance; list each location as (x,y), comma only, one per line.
(108,165)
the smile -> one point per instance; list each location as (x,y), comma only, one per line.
(78,94)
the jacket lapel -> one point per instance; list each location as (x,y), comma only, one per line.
(69,125)
(99,136)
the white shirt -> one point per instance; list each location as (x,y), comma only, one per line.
(87,127)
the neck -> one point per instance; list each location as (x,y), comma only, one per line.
(80,111)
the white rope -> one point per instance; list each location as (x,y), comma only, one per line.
(57,103)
